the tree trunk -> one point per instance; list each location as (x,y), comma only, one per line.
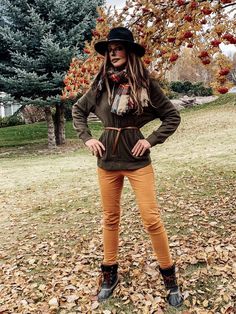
(60,125)
(51,132)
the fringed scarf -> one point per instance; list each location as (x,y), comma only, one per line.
(121,102)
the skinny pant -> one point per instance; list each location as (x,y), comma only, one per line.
(143,184)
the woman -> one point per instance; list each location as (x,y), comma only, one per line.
(125,98)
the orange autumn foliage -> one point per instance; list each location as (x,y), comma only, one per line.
(164,28)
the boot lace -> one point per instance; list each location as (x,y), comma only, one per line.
(104,278)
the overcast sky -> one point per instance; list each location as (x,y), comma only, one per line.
(117,3)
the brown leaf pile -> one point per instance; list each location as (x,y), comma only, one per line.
(52,265)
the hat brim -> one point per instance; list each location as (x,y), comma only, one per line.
(102,46)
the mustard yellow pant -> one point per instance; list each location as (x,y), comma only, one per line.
(143,184)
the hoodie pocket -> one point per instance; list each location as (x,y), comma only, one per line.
(127,141)
(107,139)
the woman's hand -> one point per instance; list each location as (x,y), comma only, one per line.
(95,146)
(140,147)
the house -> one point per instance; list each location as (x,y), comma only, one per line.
(7,109)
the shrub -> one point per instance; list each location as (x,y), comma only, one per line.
(177,87)
(11,121)
(186,87)
(199,90)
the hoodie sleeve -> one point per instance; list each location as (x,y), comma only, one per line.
(80,112)
(164,110)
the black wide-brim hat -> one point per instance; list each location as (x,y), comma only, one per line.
(121,34)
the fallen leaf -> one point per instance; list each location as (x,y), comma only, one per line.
(53,302)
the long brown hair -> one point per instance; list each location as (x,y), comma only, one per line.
(138,78)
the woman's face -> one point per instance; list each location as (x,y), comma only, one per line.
(117,54)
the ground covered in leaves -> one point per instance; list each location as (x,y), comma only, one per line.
(50,235)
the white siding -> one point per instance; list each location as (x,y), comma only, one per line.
(7,110)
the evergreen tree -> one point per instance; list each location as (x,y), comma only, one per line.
(38,38)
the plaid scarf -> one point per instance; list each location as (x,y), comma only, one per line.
(121,102)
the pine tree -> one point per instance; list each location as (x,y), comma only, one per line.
(37,41)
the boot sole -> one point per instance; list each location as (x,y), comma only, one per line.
(111,291)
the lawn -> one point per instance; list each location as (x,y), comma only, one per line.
(26,135)
(50,227)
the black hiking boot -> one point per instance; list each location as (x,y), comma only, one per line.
(109,281)
(174,296)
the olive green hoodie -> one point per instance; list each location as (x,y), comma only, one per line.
(122,159)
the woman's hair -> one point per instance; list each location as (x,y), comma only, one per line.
(138,78)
